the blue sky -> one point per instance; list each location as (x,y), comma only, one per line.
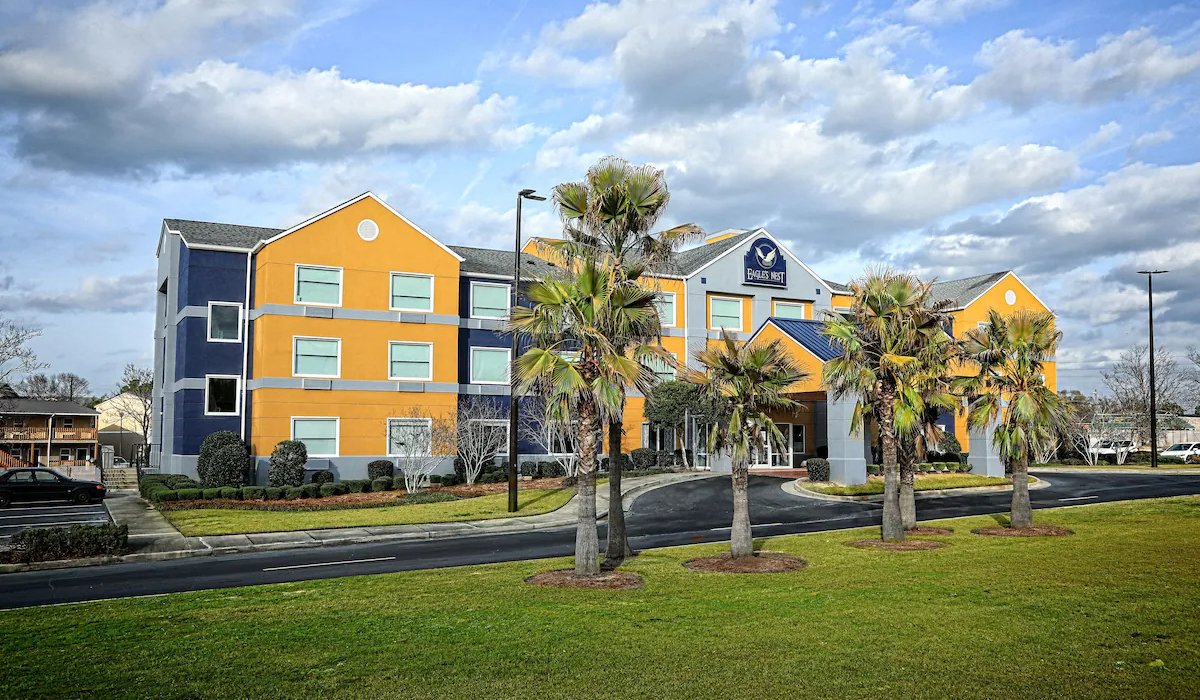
(950,137)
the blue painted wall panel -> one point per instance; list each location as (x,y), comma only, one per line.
(197,357)
(192,426)
(208,275)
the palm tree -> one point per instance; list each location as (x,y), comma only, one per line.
(749,380)
(1010,354)
(608,218)
(892,318)
(572,359)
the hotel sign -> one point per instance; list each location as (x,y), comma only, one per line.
(765,265)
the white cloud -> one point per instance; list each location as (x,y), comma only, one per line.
(1149,140)
(130,293)
(1101,137)
(945,11)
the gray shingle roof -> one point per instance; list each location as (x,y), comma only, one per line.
(46,407)
(227,235)
(808,334)
(838,287)
(964,291)
(487,261)
(688,261)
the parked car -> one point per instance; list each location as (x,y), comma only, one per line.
(120,462)
(1183,450)
(46,485)
(1110,447)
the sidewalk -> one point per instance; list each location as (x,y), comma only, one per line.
(152,538)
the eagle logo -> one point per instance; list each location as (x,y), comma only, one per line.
(766,255)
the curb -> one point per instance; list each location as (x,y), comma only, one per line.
(561,518)
(793,488)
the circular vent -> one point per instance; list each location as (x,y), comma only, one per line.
(368,230)
(1011,297)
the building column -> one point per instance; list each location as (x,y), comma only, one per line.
(982,456)
(846,462)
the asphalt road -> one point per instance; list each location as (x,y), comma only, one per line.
(684,513)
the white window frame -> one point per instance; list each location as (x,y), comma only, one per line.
(471,299)
(674,371)
(432,285)
(842,309)
(211,339)
(983,326)
(408,379)
(68,423)
(471,364)
(656,435)
(337,433)
(503,452)
(341,285)
(741,313)
(318,376)
(775,304)
(674,309)
(237,392)
(387,436)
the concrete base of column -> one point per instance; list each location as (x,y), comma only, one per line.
(983,458)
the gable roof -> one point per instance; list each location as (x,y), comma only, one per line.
(687,262)
(807,333)
(204,234)
(45,407)
(837,286)
(498,263)
(965,291)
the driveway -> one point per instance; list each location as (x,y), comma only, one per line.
(22,516)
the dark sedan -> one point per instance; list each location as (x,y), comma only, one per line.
(46,485)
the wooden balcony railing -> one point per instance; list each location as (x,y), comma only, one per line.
(43,434)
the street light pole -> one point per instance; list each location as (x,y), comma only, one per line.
(1153,386)
(513,399)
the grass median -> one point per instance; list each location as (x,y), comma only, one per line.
(227,521)
(1109,612)
(921,482)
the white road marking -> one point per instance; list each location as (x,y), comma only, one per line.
(769,524)
(326,563)
(89,514)
(1077,498)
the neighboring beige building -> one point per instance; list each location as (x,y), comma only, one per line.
(119,425)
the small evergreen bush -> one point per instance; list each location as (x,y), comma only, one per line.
(50,544)
(644,458)
(190,494)
(380,468)
(273,493)
(215,472)
(253,493)
(231,493)
(326,489)
(292,493)
(818,469)
(398,482)
(287,464)
(323,476)
(383,483)
(358,485)
(211,494)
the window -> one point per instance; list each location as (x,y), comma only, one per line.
(789,309)
(844,310)
(497,426)
(658,438)
(410,361)
(64,455)
(725,312)
(412,292)
(224,322)
(666,309)
(317,357)
(18,421)
(81,453)
(68,423)
(320,286)
(221,395)
(662,370)
(983,326)
(408,437)
(489,300)
(489,365)
(319,435)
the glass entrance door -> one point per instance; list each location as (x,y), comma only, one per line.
(770,458)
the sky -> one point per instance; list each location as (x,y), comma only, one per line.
(945,137)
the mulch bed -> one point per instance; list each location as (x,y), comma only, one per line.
(605,581)
(929,531)
(760,563)
(1032,531)
(903,546)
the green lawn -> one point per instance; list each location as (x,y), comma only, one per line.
(1110,612)
(921,482)
(222,521)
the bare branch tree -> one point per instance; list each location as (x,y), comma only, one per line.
(1129,383)
(16,357)
(64,386)
(420,441)
(72,387)
(555,438)
(135,399)
(482,434)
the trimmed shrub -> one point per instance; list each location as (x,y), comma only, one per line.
(358,485)
(228,466)
(874,469)
(818,469)
(644,458)
(460,470)
(530,468)
(967,468)
(292,493)
(287,464)
(163,495)
(398,482)
(340,489)
(323,476)
(214,473)
(190,494)
(234,494)
(380,468)
(326,489)
(49,544)
(1171,460)
(383,483)
(450,480)
(180,481)
(273,493)
(435,479)
(254,493)
(949,443)
(211,494)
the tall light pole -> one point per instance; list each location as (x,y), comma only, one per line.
(1153,387)
(513,399)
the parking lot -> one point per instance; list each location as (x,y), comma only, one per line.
(22,516)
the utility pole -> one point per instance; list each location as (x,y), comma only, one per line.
(1153,387)
(513,399)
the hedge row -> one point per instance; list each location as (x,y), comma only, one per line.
(934,467)
(158,489)
(646,458)
(50,544)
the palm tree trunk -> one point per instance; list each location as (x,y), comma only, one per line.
(1022,509)
(908,502)
(587,542)
(617,547)
(893,523)
(741,542)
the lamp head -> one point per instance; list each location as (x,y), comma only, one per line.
(529,194)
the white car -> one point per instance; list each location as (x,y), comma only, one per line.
(120,462)
(1182,450)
